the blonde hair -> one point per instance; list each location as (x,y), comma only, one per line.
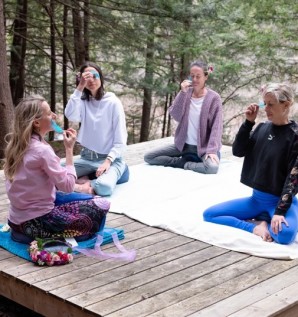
(282,92)
(28,110)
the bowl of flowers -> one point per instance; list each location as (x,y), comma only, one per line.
(50,252)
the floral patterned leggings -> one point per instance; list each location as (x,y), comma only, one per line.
(71,219)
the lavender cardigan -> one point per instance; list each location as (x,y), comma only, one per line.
(211,121)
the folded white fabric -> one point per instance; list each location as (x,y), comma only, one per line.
(174,199)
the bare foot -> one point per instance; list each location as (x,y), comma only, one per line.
(261,230)
(84,188)
(82,180)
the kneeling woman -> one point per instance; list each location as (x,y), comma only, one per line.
(33,174)
(270,168)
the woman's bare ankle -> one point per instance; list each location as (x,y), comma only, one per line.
(261,230)
(84,188)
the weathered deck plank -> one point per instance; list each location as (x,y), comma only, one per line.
(222,291)
(189,294)
(172,275)
(263,295)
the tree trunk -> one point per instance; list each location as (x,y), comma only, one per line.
(53,62)
(6,105)
(64,67)
(86,29)
(79,45)
(147,101)
(166,127)
(169,119)
(185,57)
(18,52)
(164,121)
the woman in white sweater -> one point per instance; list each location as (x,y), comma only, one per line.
(102,133)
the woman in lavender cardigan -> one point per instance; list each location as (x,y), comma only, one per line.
(198,111)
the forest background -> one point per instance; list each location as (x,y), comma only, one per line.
(144,48)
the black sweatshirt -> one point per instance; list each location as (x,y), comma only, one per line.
(270,159)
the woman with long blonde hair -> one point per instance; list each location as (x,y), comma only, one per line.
(34,175)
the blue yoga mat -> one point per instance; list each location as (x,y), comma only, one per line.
(21,249)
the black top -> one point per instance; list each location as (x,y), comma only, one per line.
(270,159)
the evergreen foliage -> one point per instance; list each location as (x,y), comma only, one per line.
(145,47)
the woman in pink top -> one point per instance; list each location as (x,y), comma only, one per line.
(34,175)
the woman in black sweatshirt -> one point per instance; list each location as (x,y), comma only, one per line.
(270,168)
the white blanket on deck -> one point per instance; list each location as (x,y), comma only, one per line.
(174,199)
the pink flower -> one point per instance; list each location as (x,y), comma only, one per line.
(33,244)
(262,89)
(56,258)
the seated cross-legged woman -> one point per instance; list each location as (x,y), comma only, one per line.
(33,175)
(102,134)
(198,111)
(270,168)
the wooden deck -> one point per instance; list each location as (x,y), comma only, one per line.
(172,276)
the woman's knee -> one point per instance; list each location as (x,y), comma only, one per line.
(152,157)
(211,166)
(102,189)
(286,236)
(148,157)
(208,215)
(211,169)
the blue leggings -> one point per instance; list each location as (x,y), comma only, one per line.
(234,213)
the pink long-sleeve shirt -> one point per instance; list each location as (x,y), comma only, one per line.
(33,190)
